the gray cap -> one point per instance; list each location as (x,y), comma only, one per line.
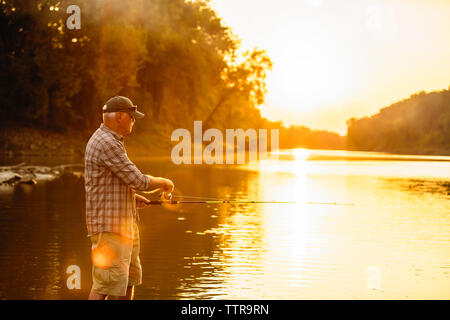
(122,104)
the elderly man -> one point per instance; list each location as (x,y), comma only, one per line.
(112,222)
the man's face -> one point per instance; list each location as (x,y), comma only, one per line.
(126,123)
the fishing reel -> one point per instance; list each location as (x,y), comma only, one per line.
(167,196)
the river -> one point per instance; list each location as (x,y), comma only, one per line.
(388,236)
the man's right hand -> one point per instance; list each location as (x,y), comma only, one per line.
(167,186)
(163,184)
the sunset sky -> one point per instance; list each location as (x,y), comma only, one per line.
(334,59)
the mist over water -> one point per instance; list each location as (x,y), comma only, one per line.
(392,243)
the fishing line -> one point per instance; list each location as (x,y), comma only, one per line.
(252,201)
(168,199)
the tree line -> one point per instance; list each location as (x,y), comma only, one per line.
(417,125)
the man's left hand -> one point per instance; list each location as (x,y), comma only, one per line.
(142,202)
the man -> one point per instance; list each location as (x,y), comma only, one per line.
(110,182)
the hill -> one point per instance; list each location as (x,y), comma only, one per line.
(417,125)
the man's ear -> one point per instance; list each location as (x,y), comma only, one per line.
(118,116)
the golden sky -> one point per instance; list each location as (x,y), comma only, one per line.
(337,59)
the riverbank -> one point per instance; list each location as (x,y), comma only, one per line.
(35,142)
(30,143)
(31,174)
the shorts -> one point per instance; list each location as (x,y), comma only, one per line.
(115,263)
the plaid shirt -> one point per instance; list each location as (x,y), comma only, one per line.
(110,181)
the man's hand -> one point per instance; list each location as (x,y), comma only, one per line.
(142,202)
(167,186)
(163,184)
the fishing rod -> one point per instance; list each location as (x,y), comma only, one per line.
(159,202)
(212,201)
(167,199)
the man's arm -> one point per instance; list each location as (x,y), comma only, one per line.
(116,159)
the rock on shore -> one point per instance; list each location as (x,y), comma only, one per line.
(22,173)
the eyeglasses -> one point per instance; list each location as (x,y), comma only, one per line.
(131,116)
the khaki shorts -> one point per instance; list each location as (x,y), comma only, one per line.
(115,263)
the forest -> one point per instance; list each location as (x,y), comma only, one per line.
(417,125)
(176,59)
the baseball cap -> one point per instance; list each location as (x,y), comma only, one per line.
(122,104)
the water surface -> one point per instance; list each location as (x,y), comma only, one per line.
(392,243)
